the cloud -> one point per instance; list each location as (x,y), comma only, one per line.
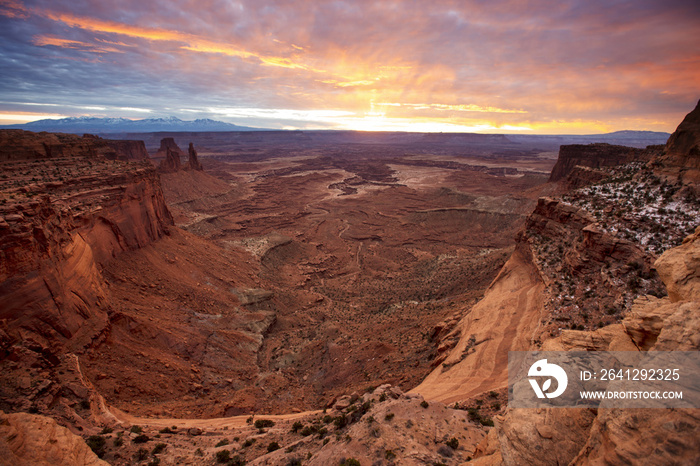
(74,44)
(468,63)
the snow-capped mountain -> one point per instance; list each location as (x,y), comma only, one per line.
(81,125)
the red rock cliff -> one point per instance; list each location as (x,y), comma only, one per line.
(59,221)
(16,144)
(682,151)
(592,156)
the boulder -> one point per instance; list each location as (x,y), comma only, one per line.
(40,441)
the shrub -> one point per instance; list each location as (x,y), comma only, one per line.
(424,404)
(248,442)
(296,426)
(273,446)
(136,429)
(340,421)
(452,443)
(221,443)
(349,462)
(107,430)
(223,456)
(97,444)
(262,423)
(143,438)
(141,455)
(389,455)
(158,448)
(389,416)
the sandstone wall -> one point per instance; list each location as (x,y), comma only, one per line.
(53,242)
(593,156)
(17,144)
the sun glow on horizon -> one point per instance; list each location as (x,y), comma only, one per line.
(21,118)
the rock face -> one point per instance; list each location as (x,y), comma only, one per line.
(17,144)
(683,147)
(51,248)
(171,163)
(504,320)
(39,440)
(519,307)
(581,176)
(169,143)
(679,268)
(172,153)
(194,163)
(593,156)
(616,436)
(61,221)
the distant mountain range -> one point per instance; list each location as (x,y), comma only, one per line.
(629,138)
(80,125)
(123,126)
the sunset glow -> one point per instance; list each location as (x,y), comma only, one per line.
(505,66)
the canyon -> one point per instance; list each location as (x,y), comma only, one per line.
(294,298)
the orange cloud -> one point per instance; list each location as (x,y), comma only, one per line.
(13,9)
(73,44)
(192,42)
(458,108)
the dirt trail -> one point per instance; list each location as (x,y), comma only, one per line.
(214,423)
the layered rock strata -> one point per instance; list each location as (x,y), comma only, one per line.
(597,155)
(16,144)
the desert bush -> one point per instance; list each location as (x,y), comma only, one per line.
(273,446)
(141,454)
(248,442)
(223,456)
(262,423)
(97,444)
(158,448)
(143,438)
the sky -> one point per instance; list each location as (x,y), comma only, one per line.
(528,66)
